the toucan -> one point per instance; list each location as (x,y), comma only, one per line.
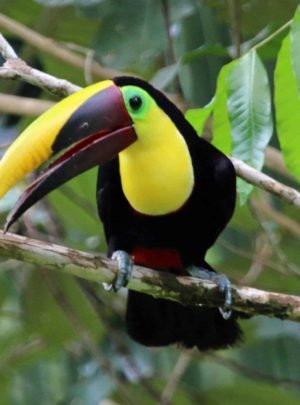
(164,195)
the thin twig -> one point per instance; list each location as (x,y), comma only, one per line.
(51,47)
(186,290)
(274,243)
(88,67)
(271,36)
(18,69)
(258,265)
(266,182)
(248,255)
(24,106)
(235,25)
(6,50)
(285,222)
(170,48)
(176,375)
(19,352)
(5,145)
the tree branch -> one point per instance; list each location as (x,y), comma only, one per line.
(51,47)
(27,106)
(7,51)
(186,290)
(265,182)
(234,9)
(17,69)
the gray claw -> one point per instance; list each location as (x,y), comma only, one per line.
(222,282)
(125,269)
(107,286)
(225,312)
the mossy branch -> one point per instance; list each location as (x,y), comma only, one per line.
(186,290)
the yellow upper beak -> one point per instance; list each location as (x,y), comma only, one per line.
(87,129)
(34,145)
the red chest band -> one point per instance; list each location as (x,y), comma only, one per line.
(159,259)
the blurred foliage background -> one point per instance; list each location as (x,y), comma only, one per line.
(59,345)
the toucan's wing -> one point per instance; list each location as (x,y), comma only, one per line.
(215,186)
(113,207)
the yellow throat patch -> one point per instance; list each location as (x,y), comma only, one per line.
(156,171)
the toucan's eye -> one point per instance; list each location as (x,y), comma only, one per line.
(135,103)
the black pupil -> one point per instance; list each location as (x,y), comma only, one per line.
(135,102)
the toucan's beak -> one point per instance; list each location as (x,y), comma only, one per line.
(85,129)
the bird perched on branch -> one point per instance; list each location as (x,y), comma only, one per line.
(163,194)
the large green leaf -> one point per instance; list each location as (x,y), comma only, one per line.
(197,117)
(287,105)
(295,46)
(249,107)
(221,124)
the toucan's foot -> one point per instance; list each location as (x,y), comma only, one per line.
(125,269)
(222,282)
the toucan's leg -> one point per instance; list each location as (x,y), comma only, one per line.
(125,269)
(222,282)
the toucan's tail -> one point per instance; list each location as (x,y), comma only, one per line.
(159,322)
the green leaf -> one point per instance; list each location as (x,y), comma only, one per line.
(131,35)
(164,76)
(295,46)
(221,123)
(244,190)
(205,50)
(249,107)
(198,79)
(197,117)
(287,106)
